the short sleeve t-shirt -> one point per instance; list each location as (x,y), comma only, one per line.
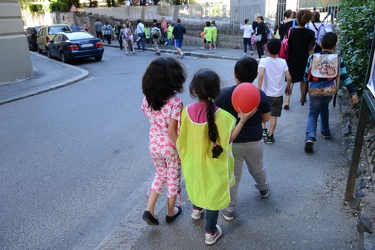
(160,119)
(198,112)
(178,31)
(252,129)
(274,69)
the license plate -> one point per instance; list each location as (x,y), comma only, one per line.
(87,45)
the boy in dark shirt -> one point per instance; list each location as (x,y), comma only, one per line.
(249,144)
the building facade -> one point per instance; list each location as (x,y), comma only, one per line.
(15,62)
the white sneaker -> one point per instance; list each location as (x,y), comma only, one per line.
(182,55)
(196,214)
(251,53)
(228,216)
(244,54)
(211,239)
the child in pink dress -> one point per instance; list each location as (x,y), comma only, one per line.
(162,108)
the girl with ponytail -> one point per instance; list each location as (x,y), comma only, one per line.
(205,149)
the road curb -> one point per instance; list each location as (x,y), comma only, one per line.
(193,54)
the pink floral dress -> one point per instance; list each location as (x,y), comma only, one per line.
(163,153)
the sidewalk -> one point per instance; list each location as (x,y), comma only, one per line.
(51,74)
(196,51)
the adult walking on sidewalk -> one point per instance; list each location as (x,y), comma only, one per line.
(99,29)
(261,31)
(178,36)
(164,31)
(141,36)
(155,35)
(301,44)
(107,28)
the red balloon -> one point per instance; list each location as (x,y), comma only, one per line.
(245,96)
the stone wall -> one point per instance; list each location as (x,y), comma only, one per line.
(228,37)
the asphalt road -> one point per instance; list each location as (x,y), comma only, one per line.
(75,169)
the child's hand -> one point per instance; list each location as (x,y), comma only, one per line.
(245,116)
(288,90)
(354,99)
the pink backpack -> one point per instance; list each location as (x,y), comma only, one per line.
(284,49)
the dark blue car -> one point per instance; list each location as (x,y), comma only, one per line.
(75,45)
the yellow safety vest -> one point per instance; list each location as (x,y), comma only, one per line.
(208,180)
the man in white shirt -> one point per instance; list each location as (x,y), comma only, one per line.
(140,31)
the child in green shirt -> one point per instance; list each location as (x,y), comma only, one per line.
(148,33)
(169,34)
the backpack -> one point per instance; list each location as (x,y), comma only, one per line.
(324,74)
(155,33)
(324,28)
(284,49)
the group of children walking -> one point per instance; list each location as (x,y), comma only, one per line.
(210,36)
(212,159)
(207,160)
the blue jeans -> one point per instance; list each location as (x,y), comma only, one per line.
(142,40)
(164,36)
(247,42)
(211,220)
(318,105)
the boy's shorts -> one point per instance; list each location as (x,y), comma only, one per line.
(276,105)
(178,43)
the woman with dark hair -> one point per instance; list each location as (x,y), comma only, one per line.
(301,45)
(162,108)
(288,23)
(261,30)
(205,149)
(314,26)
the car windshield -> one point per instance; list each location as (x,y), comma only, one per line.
(56,29)
(79,35)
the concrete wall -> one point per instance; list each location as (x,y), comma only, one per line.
(15,62)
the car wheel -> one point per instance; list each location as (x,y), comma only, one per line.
(98,58)
(63,58)
(48,53)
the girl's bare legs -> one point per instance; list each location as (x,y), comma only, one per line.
(171,205)
(153,197)
(126,46)
(132,44)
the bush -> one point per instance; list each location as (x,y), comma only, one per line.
(59,6)
(356,24)
(35,8)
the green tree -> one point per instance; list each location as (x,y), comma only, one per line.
(356,28)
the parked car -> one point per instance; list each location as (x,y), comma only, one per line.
(74,45)
(31,35)
(47,33)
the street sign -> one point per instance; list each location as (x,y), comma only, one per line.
(73,8)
